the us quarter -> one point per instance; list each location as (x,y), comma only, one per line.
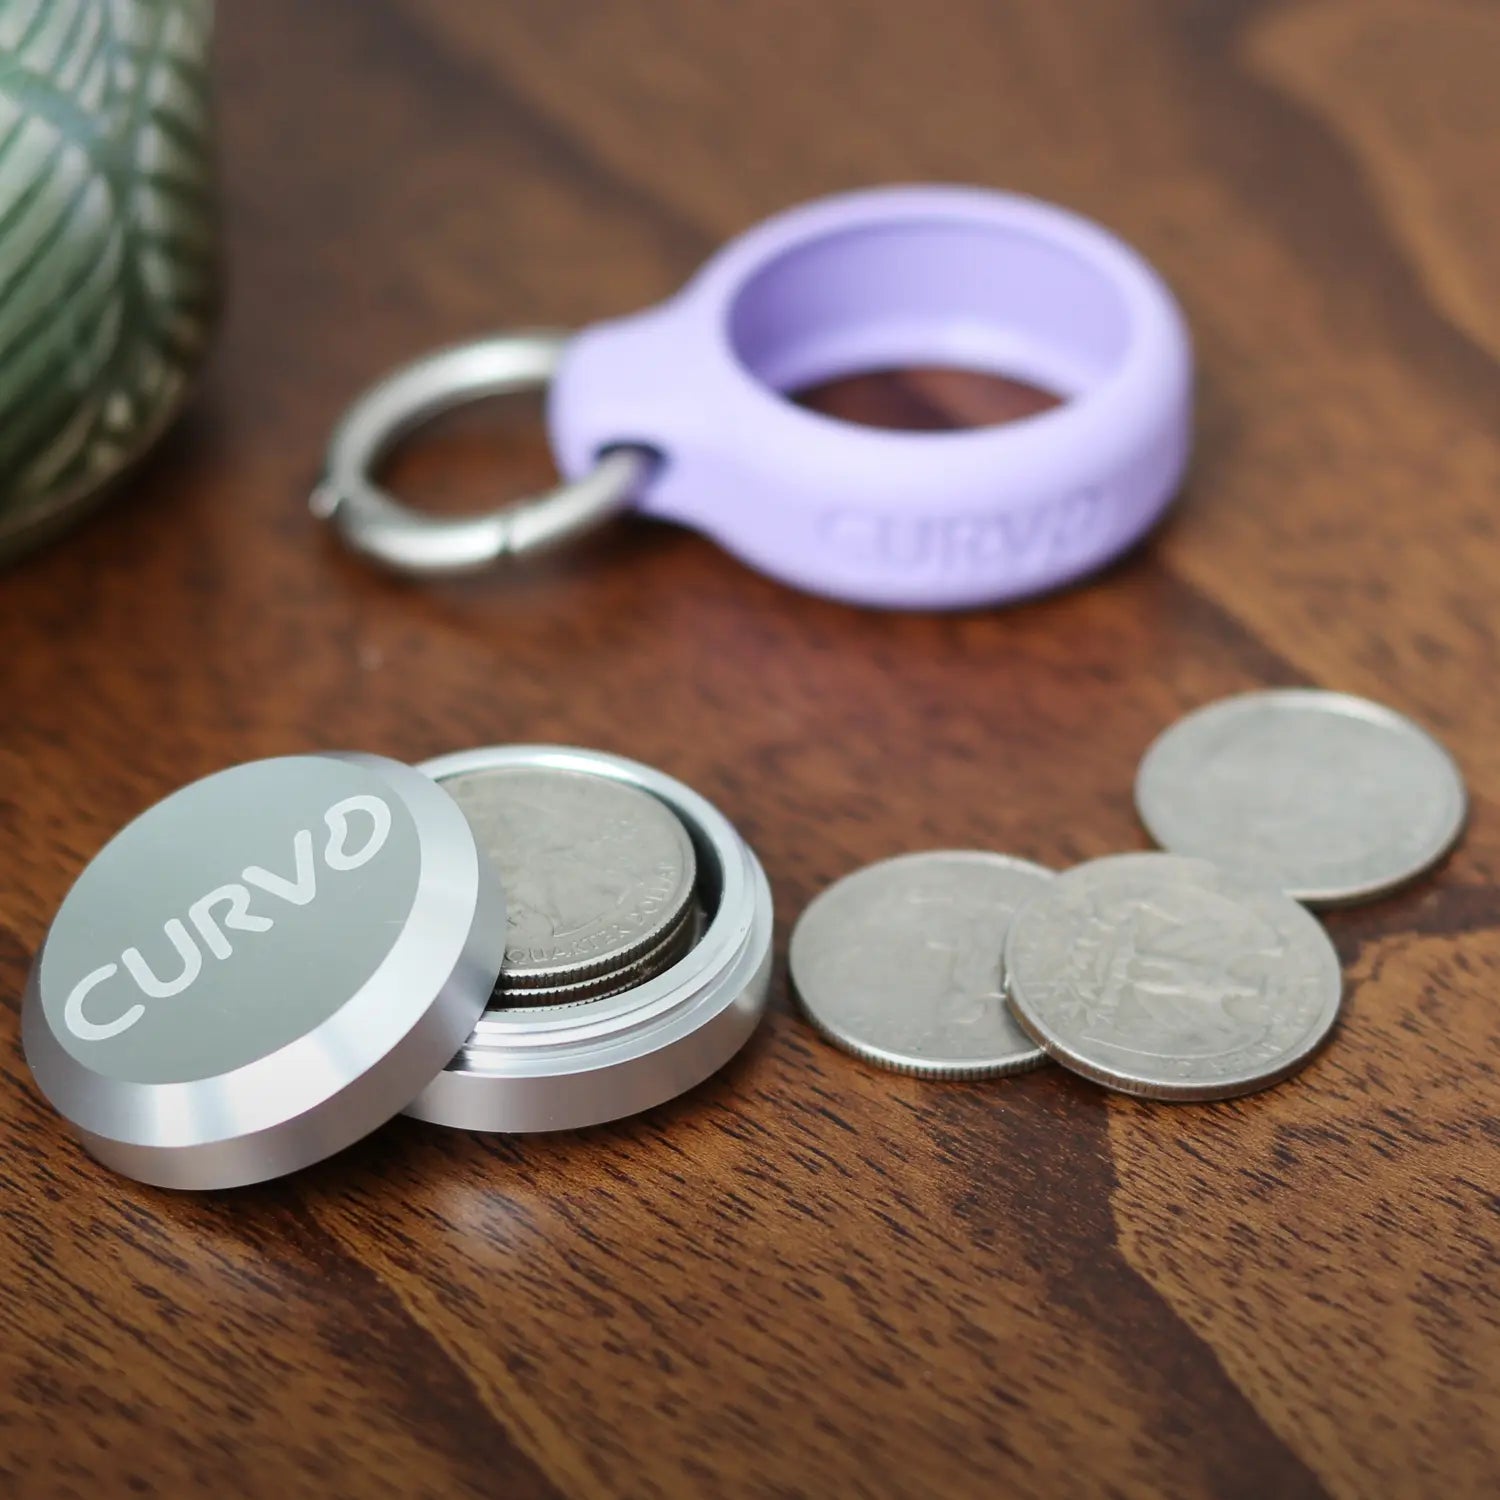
(596,873)
(1328,797)
(680,940)
(1172,978)
(899,963)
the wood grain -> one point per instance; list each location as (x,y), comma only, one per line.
(806,1278)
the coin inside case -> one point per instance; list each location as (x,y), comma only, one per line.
(555,1067)
(274,960)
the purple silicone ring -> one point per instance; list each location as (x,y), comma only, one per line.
(892,278)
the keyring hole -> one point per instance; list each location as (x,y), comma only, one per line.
(927,399)
(474,457)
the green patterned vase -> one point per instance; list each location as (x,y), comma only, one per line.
(109,264)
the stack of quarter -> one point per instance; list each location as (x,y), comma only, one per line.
(1188,975)
(637,947)
(600,877)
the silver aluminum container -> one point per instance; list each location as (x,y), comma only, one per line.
(273,961)
(560,1067)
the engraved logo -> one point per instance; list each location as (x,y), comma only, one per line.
(227,908)
(961,544)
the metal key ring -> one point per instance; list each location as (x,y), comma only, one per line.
(374,522)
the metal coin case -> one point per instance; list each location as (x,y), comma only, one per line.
(273,961)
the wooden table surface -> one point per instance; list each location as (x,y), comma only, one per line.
(807,1278)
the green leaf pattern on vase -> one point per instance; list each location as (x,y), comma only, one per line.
(109,242)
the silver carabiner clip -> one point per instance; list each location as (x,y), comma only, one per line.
(375,523)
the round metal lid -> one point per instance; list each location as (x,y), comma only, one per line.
(262,968)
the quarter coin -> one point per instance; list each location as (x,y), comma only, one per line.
(1172,978)
(899,963)
(596,873)
(1330,798)
(679,941)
